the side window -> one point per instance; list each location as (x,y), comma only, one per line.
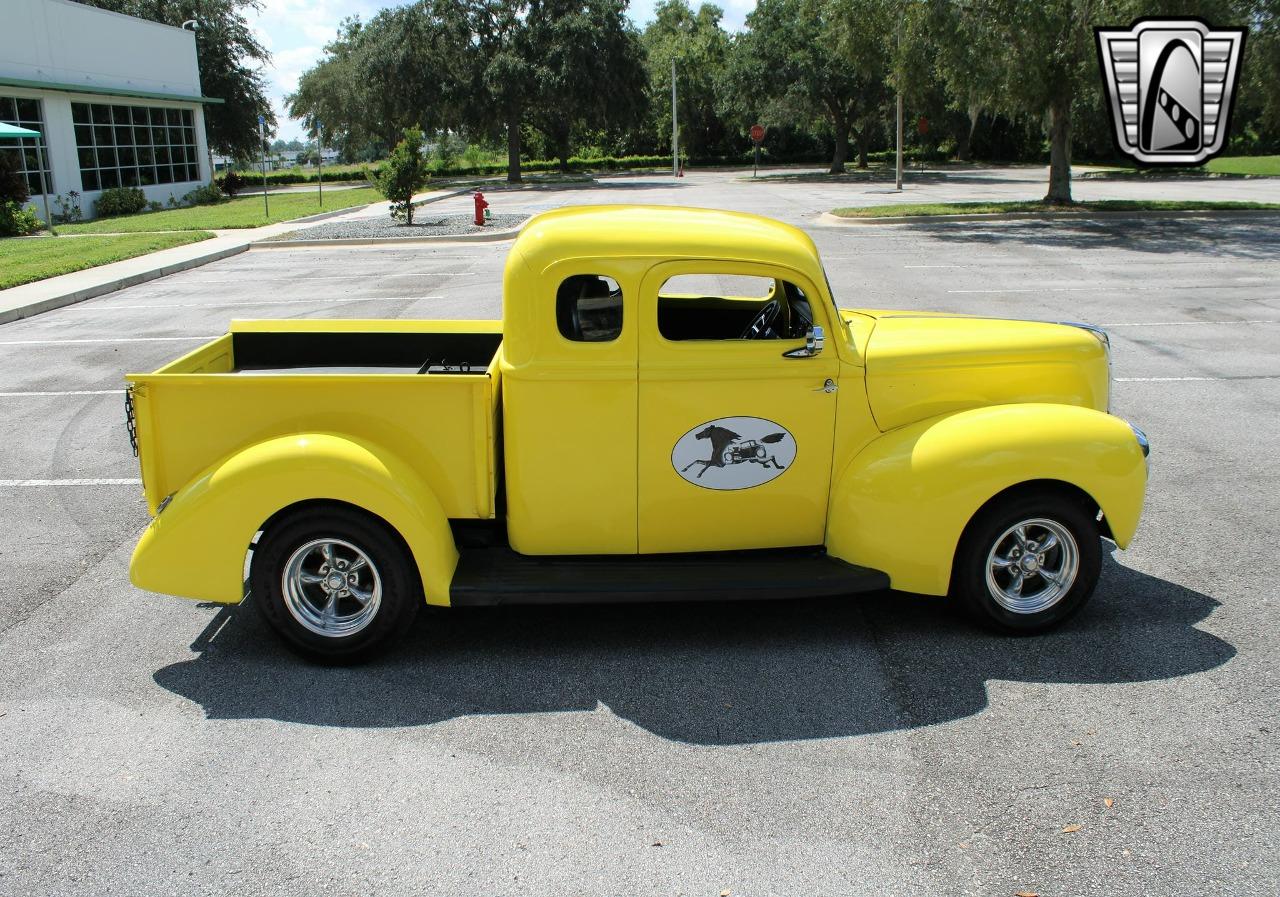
(732,307)
(589,308)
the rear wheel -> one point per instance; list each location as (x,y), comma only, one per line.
(334,582)
(1028,562)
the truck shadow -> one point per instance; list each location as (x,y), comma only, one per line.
(713,674)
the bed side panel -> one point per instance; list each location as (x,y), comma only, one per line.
(439,424)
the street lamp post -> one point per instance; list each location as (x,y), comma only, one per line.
(897,83)
(675,138)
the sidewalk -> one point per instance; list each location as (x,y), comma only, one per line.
(66,289)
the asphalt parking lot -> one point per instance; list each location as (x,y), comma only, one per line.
(871,746)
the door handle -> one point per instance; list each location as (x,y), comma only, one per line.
(828,387)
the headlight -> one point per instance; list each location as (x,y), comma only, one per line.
(1102,337)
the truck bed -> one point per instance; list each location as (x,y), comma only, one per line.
(425,390)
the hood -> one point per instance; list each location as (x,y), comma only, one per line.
(923,365)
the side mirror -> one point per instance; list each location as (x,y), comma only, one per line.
(813,341)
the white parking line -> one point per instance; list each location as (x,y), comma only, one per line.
(1195,379)
(1114,288)
(5,484)
(305,280)
(257,303)
(1185,323)
(120,339)
(64,392)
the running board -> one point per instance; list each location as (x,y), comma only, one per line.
(489,576)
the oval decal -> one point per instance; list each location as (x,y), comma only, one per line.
(734,453)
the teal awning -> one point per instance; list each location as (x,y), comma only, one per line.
(14,131)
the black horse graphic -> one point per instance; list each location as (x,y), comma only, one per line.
(728,449)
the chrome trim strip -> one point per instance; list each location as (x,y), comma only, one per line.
(1143,442)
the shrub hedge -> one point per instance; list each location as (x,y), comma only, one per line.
(576,164)
(120,201)
(537,166)
(16,220)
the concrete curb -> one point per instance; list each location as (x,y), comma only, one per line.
(826,219)
(485,237)
(30,309)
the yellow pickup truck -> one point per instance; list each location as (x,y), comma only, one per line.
(673,407)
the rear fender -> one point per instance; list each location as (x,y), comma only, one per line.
(196,546)
(903,502)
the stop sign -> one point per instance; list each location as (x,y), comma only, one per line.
(757,133)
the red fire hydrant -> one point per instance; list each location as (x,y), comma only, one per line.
(481,205)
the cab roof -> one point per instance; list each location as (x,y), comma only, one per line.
(673,232)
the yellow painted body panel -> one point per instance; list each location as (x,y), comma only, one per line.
(569,417)
(193,412)
(932,415)
(902,503)
(196,548)
(231,449)
(684,384)
(920,366)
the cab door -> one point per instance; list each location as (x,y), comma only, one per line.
(569,409)
(734,436)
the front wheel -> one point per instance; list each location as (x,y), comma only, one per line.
(335,583)
(1028,562)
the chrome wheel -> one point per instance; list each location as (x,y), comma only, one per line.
(1032,565)
(331,587)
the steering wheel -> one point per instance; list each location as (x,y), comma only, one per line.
(762,324)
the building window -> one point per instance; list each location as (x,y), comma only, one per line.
(26,113)
(134,146)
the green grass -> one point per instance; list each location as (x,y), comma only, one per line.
(24,260)
(243,211)
(985,208)
(1268,165)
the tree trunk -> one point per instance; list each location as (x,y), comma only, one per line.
(840,127)
(964,136)
(1059,152)
(513,148)
(862,150)
(562,152)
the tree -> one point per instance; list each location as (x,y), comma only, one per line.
(700,48)
(550,63)
(817,59)
(1256,123)
(590,70)
(13,184)
(1028,59)
(228,55)
(402,175)
(399,70)
(328,96)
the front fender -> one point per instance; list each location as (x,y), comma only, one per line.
(196,547)
(903,502)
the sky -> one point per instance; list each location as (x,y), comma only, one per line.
(295,31)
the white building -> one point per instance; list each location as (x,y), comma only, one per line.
(117,99)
